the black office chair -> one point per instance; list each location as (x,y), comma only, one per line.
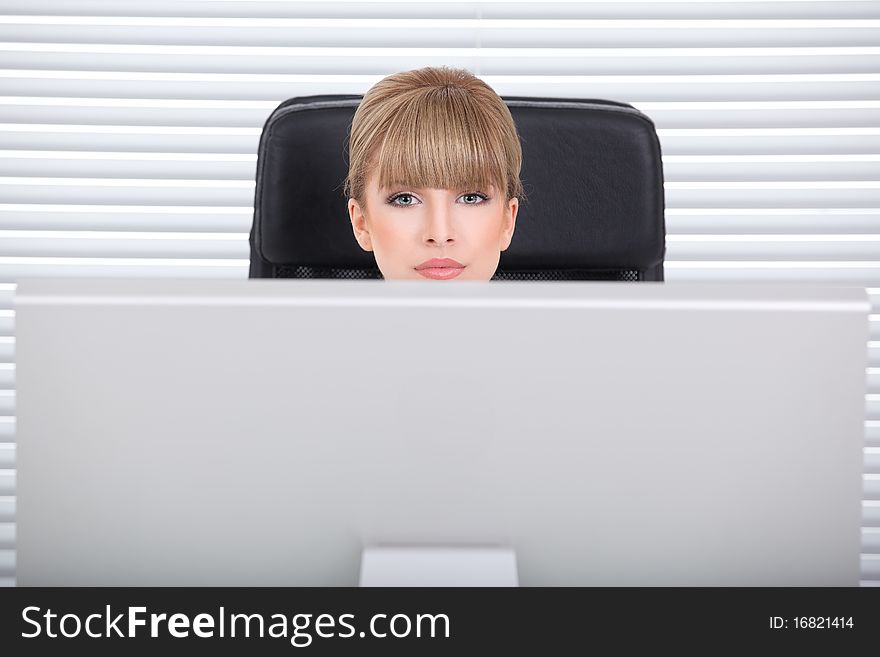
(591,171)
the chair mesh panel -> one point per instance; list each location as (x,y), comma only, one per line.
(569,275)
(538,275)
(282,271)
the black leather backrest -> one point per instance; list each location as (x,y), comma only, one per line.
(591,171)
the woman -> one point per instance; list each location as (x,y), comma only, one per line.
(433,182)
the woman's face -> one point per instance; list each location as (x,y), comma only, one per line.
(406,228)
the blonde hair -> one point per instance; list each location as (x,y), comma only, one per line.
(434,127)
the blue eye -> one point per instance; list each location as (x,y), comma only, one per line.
(394,198)
(475,195)
(411,200)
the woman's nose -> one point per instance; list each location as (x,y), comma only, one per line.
(439,227)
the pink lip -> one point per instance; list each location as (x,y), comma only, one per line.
(440,268)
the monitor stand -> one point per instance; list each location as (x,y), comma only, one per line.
(438,566)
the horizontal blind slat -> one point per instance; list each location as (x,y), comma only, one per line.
(142,140)
(7,482)
(791,117)
(872,457)
(221,115)
(871,486)
(871,513)
(870,540)
(872,433)
(7,450)
(631,89)
(158,116)
(7,562)
(238,140)
(870,567)
(141,192)
(121,218)
(198,268)
(239,167)
(7,292)
(171,168)
(829,9)
(858,248)
(769,141)
(7,536)
(803,170)
(809,195)
(7,509)
(224,113)
(320,61)
(713,221)
(867,275)
(121,247)
(495,31)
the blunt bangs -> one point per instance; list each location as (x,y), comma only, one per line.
(441,144)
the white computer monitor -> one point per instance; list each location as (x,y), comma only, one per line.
(269,432)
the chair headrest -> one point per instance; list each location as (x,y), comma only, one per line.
(592,173)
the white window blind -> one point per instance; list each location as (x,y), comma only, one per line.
(129,131)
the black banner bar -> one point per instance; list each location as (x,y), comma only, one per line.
(418,621)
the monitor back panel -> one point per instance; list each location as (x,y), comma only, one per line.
(263,432)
